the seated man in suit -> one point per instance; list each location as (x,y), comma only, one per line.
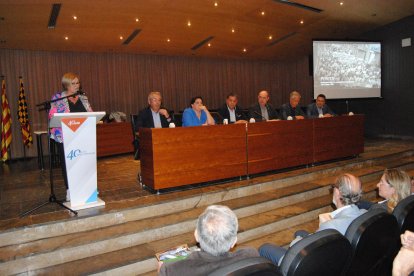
(319,108)
(292,110)
(153,116)
(263,111)
(346,193)
(216,232)
(231,111)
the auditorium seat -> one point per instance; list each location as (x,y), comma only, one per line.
(254,266)
(404,213)
(326,252)
(375,240)
(135,141)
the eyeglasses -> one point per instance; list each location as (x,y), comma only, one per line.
(75,83)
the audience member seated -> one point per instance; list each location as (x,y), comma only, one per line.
(403,264)
(231,111)
(346,193)
(292,110)
(263,111)
(319,108)
(197,114)
(394,186)
(216,232)
(153,116)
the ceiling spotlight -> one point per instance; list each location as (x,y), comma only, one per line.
(209,45)
(263,13)
(66,38)
(233,30)
(215,4)
(137,19)
(121,37)
(301,22)
(168,40)
(74,17)
(270,37)
(341,3)
(244,50)
(189,24)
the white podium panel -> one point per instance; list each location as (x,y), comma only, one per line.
(79,140)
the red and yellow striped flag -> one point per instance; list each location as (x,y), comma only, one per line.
(6,121)
(23,117)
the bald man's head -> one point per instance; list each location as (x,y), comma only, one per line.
(350,188)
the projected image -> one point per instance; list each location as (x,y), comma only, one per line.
(341,66)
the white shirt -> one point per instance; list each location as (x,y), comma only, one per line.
(232,114)
(156,118)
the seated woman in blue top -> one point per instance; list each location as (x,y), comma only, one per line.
(197,114)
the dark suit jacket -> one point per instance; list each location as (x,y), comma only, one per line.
(287,111)
(312,110)
(225,114)
(255,112)
(145,119)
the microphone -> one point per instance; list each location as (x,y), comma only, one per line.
(260,114)
(80,92)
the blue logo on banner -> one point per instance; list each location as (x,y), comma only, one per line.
(73,154)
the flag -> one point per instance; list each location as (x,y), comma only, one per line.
(23,117)
(6,132)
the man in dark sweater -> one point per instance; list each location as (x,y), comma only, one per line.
(216,232)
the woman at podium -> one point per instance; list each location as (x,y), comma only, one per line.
(76,102)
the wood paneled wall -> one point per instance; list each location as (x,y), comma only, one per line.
(121,82)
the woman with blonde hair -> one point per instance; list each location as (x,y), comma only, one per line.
(71,101)
(394,186)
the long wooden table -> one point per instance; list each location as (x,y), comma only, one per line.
(182,156)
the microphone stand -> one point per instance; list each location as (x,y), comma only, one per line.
(52,197)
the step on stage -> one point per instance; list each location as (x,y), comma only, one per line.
(122,237)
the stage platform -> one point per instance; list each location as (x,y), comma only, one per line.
(136,223)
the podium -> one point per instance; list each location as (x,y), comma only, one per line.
(79,142)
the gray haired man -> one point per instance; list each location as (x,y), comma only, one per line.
(347,192)
(216,232)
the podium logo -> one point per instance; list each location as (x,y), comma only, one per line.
(73,123)
(73,154)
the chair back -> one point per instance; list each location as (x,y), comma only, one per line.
(253,266)
(375,240)
(326,252)
(178,119)
(134,128)
(404,213)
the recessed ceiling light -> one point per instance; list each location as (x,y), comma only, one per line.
(74,17)
(270,37)
(121,37)
(215,4)
(66,38)
(262,13)
(137,19)
(341,3)
(233,30)
(168,40)
(301,22)
(244,50)
(209,45)
(189,24)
